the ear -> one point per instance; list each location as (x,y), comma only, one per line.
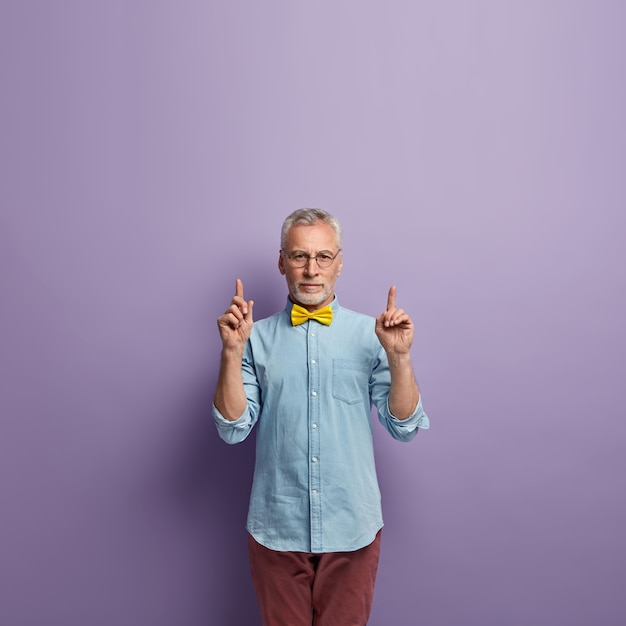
(281,264)
(340,263)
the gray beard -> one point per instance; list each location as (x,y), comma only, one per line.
(308,299)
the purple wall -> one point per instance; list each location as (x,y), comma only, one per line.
(475,153)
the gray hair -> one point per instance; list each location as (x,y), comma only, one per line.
(309,217)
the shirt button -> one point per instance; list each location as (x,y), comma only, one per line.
(314,426)
(314,491)
(314,393)
(314,459)
(313,361)
(312,334)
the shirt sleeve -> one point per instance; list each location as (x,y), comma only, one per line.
(236,431)
(380,385)
(233,431)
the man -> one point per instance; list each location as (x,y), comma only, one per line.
(308,377)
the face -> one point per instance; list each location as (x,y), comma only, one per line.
(311,286)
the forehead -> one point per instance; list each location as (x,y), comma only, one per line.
(312,238)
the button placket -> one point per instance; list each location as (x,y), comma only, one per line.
(315,509)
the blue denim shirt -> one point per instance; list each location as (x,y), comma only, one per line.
(310,389)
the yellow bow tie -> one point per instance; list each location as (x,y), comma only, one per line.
(299,315)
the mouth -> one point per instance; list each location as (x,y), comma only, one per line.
(309,286)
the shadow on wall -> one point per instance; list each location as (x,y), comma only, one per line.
(220,475)
(190,504)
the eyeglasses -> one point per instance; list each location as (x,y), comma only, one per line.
(324,259)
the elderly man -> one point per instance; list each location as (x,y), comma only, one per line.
(308,376)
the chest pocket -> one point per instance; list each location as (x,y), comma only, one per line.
(350,380)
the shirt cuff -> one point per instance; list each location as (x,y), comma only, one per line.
(241,422)
(235,431)
(417,419)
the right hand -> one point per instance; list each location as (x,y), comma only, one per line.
(236,323)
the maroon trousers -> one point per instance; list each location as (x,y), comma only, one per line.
(305,589)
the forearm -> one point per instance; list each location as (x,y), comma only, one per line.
(404,393)
(230,398)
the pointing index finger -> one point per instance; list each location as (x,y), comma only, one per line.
(239,288)
(391,298)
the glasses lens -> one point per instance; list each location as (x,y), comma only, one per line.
(299,260)
(324,260)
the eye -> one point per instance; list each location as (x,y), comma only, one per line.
(299,257)
(324,257)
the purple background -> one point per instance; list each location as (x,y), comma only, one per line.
(475,154)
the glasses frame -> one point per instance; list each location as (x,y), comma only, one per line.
(293,263)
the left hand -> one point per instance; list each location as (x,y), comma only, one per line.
(394,327)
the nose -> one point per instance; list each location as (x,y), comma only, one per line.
(311,266)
